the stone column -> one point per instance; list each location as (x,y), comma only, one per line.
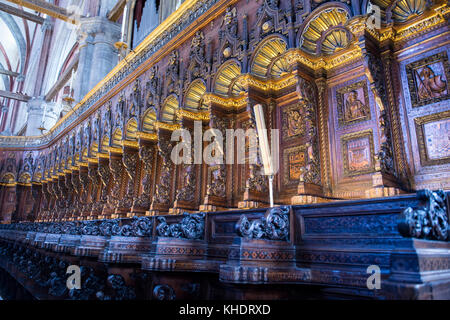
(40,114)
(97,36)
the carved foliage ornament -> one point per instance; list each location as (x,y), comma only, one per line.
(273,226)
(192,227)
(429,221)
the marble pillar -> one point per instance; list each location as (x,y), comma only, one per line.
(96,36)
(40,114)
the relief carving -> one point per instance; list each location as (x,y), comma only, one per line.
(429,221)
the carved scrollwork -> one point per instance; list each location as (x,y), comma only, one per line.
(139,227)
(429,221)
(163,292)
(173,73)
(274,225)
(110,228)
(120,291)
(192,227)
(152,88)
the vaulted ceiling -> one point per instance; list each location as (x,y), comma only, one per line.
(15,43)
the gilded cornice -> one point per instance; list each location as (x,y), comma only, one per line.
(325,62)
(167,126)
(114,150)
(433,18)
(181,20)
(196,116)
(131,144)
(147,136)
(229,103)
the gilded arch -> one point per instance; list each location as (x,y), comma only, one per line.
(148,120)
(193,100)
(169,109)
(324,31)
(264,61)
(131,130)
(225,80)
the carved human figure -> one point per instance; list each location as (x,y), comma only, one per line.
(430,84)
(294,123)
(354,108)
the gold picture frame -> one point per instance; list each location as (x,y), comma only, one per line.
(424,138)
(351,150)
(427,81)
(351,109)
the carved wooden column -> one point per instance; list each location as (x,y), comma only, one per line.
(216,174)
(63,203)
(116,167)
(55,198)
(70,196)
(37,195)
(43,210)
(394,115)
(105,176)
(18,208)
(86,206)
(323,113)
(189,175)
(130,164)
(314,174)
(385,181)
(256,184)
(97,206)
(76,186)
(162,199)
(147,156)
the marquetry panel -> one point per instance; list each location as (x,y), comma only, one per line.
(433,138)
(428,79)
(358,153)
